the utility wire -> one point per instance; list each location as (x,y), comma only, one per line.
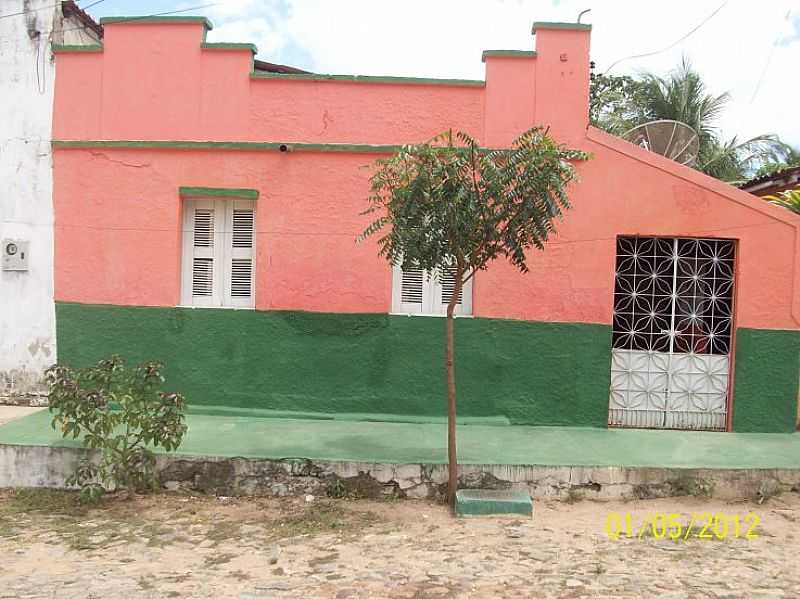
(51,6)
(673,44)
(137,18)
(769,59)
(88,6)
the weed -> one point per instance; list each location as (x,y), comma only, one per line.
(687,485)
(336,489)
(767,490)
(574,496)
(320,519)
(48,501)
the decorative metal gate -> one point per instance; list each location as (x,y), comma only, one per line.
(673,318)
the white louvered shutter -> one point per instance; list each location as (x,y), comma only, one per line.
(444,287)
(415,292)
(240,282)
(218,253)
(201,266)
(409,290)
(448,287)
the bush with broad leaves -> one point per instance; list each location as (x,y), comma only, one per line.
(123,415)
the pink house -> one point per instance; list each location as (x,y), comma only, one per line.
(206,211)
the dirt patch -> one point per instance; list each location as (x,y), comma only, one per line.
(177,545)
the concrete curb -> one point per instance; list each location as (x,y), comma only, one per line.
(44,466)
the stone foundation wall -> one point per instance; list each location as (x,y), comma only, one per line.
(33,466)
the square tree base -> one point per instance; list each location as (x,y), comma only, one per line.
(484,502)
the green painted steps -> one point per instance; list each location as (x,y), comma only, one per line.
(488,502)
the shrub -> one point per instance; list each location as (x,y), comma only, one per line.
(123,414)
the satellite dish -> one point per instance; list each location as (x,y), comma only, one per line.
(673,139)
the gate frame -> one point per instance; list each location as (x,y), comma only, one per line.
(734,317)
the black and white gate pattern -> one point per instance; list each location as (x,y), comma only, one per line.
(672,328)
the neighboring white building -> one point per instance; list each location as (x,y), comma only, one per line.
(27,73)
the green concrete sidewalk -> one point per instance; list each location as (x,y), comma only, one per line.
(394,442)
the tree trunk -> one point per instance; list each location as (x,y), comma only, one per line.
(449,360)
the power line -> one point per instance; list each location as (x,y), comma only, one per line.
(25,12)
(50,6)
(769,59)
(672,45)
(135,18)
(84,8)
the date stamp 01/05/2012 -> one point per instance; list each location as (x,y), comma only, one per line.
(682,527)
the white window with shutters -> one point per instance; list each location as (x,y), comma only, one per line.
(218,253)
(415,291)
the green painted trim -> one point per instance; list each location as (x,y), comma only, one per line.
(767,377)
(149,19)
(257,146)
(228,46)
(507,54)
(370,79)
(552,374)
(219,192)
(557,25)
(481,502)
(63,48)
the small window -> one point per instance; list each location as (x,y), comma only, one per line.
(218,253)
(414,291)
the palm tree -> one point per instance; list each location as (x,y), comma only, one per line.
(789,199)
(789,159)
(682,96)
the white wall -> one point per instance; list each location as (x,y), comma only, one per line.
(27,74)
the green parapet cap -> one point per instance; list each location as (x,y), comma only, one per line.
(229,46)
(507,54)
(370,79)
(148,19)
(556,25)
(64,48)
(219,192)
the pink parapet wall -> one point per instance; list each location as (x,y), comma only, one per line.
(117,210)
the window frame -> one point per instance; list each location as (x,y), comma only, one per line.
(431,292)
(223,253)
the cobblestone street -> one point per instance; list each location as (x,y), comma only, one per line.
(183,546)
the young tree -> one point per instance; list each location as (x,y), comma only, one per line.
(449,205)
(122,414)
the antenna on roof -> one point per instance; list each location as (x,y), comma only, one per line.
(583,12)
(673,139)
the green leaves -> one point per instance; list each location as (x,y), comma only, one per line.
(121,413)
(450,202)
(617,104)
(789,199)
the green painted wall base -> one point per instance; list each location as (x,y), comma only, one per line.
(519,372)
(767,379)
(381,367)
(482,502)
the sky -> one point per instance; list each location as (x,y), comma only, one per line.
(749,49)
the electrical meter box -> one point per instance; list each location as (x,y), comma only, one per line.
(14,254)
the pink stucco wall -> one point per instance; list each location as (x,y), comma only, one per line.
(118,210)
